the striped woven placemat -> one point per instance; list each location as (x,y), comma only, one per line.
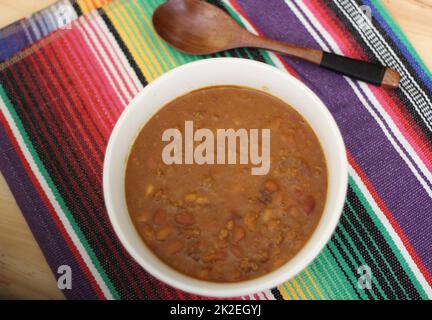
(69,71)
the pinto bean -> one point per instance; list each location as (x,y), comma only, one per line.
(159,217)
(308,204)
(185,219)
(271,186)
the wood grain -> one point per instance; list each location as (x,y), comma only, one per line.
(23,270)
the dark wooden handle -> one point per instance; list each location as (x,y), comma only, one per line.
(358,69)
(361,70)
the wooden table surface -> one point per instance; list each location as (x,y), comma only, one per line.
(24,272)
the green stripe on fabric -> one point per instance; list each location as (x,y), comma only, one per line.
(328,294)
(363,261)
(377,222)
(148,7)
(397,30)
(351,277)
(378,250)
(340,283)
(308,286)
(57,195)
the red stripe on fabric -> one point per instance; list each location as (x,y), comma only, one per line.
(265,296)
(83,190)
(160,286)
(83,51)
(389,101)
(79,51)
(406,124)
(78,119)
(240,11)
(390,218)
(334,26)
(74,250)
(116,58)
(98,72)
(102,60)
(84,87)
(45,133)
(82,77)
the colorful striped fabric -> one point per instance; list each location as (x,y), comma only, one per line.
(62,93)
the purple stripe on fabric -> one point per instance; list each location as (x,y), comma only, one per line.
(395,183)
(49,238)
(12,39)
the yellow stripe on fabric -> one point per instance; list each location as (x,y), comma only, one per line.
(150,56)
(298,289)
(89,5)
(287,286)
(84,5)
(161,44)
(142,33)
(284,293)
(135,49)
(307,273)
(306,287)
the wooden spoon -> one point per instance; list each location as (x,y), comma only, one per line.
(199,28)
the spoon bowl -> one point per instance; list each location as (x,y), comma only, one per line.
(197,27)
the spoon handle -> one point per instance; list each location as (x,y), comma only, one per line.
(362,70)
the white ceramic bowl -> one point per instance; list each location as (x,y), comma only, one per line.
(210,72)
